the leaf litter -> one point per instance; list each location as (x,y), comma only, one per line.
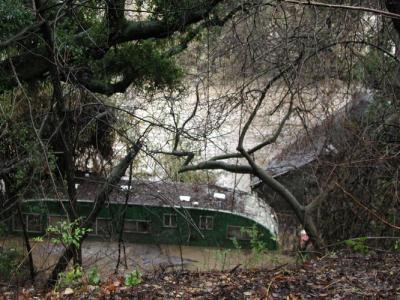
(340,275)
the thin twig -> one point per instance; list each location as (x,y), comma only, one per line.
(347,7)
(370,211)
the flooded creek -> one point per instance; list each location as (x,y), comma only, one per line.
(148,258)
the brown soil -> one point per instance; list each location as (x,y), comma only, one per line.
(335,276)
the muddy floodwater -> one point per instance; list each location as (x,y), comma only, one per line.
(150,257)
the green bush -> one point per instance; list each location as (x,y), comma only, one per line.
(93,276)
(70,278)
(67,233)
(257,244)
(133,278)
(358,245)
(10,259)
(222,257)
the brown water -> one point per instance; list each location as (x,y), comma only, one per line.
(150,257)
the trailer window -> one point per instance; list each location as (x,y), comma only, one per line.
(136,226)
(170,220)
(33,223)
(239,233)
(206,222)
(55,220)
(130,226)
(17,225)
(143,226)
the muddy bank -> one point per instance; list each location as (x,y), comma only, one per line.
(148,258)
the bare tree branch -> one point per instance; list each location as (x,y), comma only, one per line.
(346,7)
(101,198)
(218,165)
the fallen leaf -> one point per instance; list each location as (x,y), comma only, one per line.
(68,292)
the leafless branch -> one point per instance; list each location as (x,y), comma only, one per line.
(346,7)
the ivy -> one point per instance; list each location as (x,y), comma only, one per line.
(143,61)
(14,16)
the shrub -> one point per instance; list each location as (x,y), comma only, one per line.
(93,276)
(67,233)
(70,278)
(10,259)
(133,278)
(358,245)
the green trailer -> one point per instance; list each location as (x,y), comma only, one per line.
(161,213)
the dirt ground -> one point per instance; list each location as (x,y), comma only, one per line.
(341,275)
(335,276)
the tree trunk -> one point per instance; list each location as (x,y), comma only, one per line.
(121,227)
(64,132)
(101,198)
(27,243)
(303,214)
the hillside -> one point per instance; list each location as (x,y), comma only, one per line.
(341,275)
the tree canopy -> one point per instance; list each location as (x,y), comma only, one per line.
(67,68)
